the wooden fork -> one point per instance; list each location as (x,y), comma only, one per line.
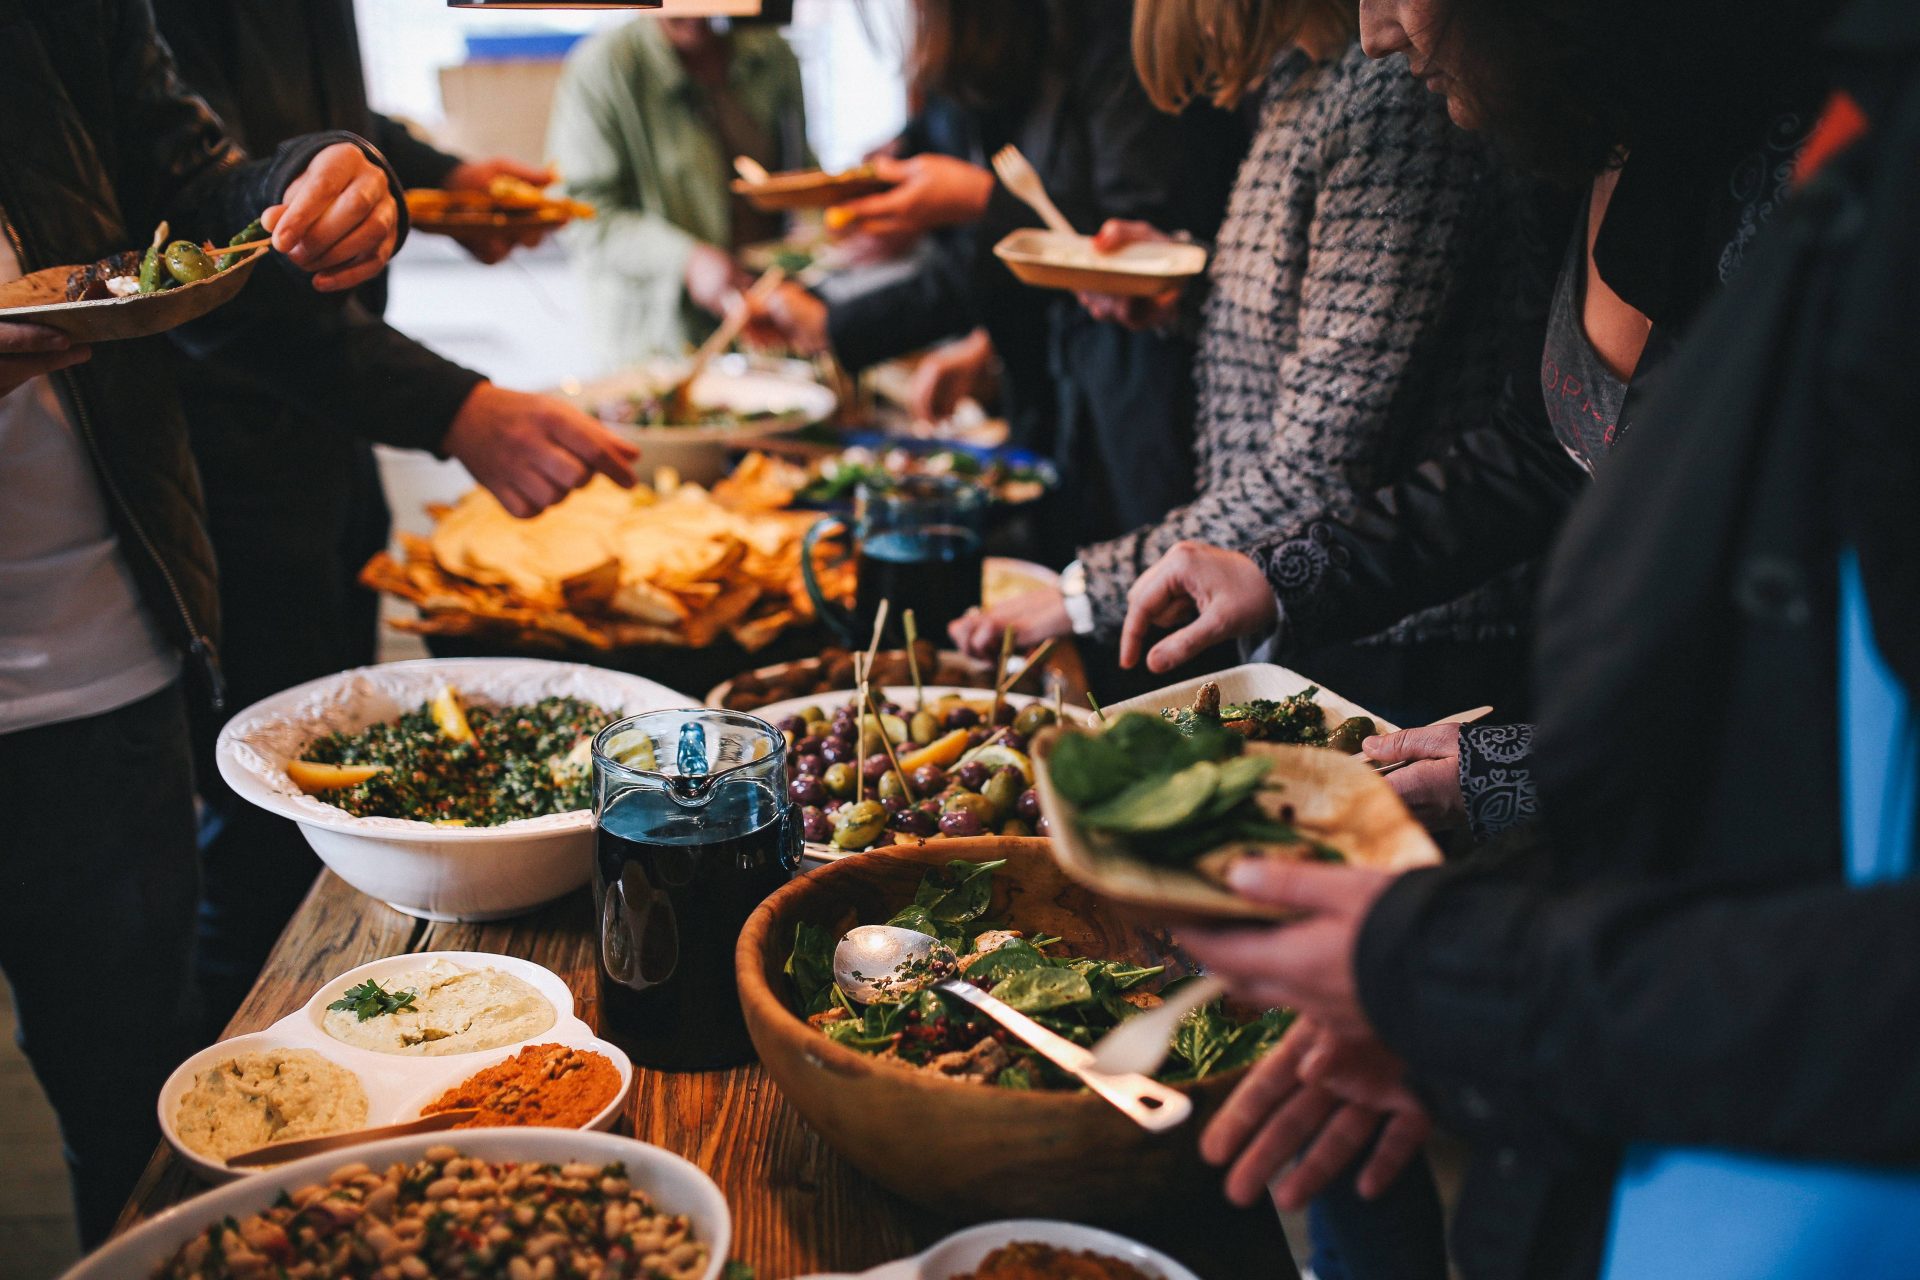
(1019,175)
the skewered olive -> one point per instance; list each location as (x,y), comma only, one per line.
(1003,790)
(972,775)
(811,764)
(890,787)
(884,839)
(962,716)
(1003,714)
(978,735)
(1043,827)
(793,725)
(1015,827)
(188,263)
(923,727)
(807,791)
(815,826)
(153,272)
(809,743)
(838,750)
(1350,733)
(812,714)
(961,822)
(857,825)
(893,804)
(1028,805)
(875,766)
(841,780)
(1033,717)
(968,802)
(929,778)
(915,822)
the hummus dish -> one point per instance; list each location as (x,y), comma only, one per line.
(275,1095)
(439,1010)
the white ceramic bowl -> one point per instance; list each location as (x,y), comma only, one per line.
(397,1085)
(438,873)
(963,1251)
(676,1186)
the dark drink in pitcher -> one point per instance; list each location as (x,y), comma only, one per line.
(933,570)
(681,859)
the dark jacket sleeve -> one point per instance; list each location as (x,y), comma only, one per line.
(1758,1017)
(1494,500)
(419,164)
(925,306)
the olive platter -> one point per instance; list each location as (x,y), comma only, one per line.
(963,776)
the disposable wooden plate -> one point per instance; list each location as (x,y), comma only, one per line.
(809,188)
(1050,260)
(1335,799)
(40,298)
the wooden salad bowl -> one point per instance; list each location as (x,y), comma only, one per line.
(969,1151)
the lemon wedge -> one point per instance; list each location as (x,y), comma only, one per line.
(450,715)
(311,776)
(995,756)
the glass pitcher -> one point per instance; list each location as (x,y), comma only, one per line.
(918,543)
(694,829)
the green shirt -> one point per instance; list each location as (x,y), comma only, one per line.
(629,134)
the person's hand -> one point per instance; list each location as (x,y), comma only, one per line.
(1204,594)
(338,221)
(713,279)
(1156,312)
(949,374)
(930,191)
(29,350)
(792,315)
(1431,788)
(1322,1100)
(492,244)
(1305,964)
(1034,616)
(530,450)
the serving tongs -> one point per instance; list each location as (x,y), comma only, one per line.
(677,405)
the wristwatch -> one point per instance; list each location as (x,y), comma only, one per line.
(1073,593)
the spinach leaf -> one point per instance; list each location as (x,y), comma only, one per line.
(1004,961)
(1121,973)
(1089,767)
(1015,1077)
(872,1031)
(914,916)
(1160,802)
(810,965)
(1040,989)
(1149,742)
(959,892)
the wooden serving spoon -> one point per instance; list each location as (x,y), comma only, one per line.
(281,1152)
(678,403)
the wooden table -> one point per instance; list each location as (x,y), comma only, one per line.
(797,1207)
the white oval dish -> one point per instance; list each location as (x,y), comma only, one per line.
(396,1085)
(901,695)
(437,873)
(676,1186)
(963,1251)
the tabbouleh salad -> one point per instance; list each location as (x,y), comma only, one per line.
(467,766)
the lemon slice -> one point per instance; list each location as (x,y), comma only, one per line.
(311,776)
(450,715)
(995,756)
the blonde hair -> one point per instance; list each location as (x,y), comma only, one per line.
(1219,49)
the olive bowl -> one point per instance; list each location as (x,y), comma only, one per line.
(972,1152)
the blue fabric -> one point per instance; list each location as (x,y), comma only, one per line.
(1704,1214)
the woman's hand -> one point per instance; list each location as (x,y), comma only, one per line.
(29,350)
(1034,616)
(1322,1100)
(489,244)
(930,191)
(530,450)
(950,374)
(1156,312)
(791,315)
(713,279)
(1431,788)
(1205,594)
(338,221)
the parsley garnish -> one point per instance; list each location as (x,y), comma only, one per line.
(369,1000)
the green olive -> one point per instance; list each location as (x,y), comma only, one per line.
(840,780)
(1003,789)
(859,825)
(970,802)
(153,271)
(1016,827)
(1350,733)
(187,263)
(812,714)
(1033,717)
(924,727)
(890,787)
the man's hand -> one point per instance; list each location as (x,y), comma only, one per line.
(338,222)
(530,450)
(1156,312)
(29,350)
(949,374)
(930,191)
(1430,788)
(1205,594)
(795,315)
(1322,1100)
(713,279)
(1034,616)
(488,244)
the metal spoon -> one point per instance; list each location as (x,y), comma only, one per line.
(874,958)
(1140,1044)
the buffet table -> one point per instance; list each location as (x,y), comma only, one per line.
(797,1207)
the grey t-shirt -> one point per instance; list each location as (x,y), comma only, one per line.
(1584,398)
(74,638)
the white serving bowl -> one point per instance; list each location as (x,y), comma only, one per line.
(437,873)
(963,1251)
(676,1186)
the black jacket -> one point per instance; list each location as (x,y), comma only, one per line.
(1683,963)
(102,142)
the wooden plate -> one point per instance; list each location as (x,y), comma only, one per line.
(809,188)
(1336,799)
(1049,260)
(40,298)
